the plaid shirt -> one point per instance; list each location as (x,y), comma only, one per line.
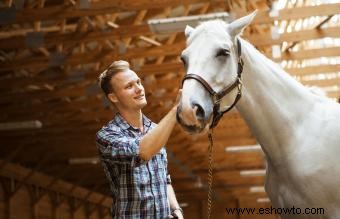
(139,187)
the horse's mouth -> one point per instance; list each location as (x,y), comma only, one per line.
(192,129)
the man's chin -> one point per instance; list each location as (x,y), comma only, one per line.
(142,105)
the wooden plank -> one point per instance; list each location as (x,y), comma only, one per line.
(103,7)
(143,29)
(297,13)
(322,82)
(314,70)
(18,172)
(267,40)
(104,56)
(70,39)
(335,95)
(308,54)
(107,56)
(61,12)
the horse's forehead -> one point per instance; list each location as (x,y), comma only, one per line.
(208,40)
(210,33)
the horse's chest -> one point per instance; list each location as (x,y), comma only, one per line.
(303,184)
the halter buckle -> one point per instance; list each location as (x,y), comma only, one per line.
(240,61)
(239,84)
(215,98)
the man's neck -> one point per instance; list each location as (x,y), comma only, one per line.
(134,118)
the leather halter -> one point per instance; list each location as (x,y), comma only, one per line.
(217,96)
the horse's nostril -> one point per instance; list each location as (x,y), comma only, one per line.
(200,112)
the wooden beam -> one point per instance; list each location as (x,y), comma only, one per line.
(324,22)
(335,95)
(106,56)
(297,13)
(266,40)
(138,30)
(314,70)
(322,82)
(61,12)
(308,54)
(47,156)
(17,172)
(96,8)
(72,38)
(24,31)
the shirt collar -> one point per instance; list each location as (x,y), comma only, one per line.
(122,123)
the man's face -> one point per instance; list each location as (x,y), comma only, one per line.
(128,90)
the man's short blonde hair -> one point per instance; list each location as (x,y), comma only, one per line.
(105,76)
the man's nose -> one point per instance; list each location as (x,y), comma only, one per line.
(139,88)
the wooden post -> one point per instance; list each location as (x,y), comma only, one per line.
(7,196)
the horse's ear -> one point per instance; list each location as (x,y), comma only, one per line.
(188,30)
(236,27)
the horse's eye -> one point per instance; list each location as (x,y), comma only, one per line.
(183,59)
(222,52)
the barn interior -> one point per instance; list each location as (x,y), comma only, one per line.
(51,54)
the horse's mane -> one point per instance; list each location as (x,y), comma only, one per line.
(219,27)
(316,90)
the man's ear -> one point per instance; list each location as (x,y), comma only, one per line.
(112,97)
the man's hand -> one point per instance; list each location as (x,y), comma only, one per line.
(177,214)
(178,99)
(179,95)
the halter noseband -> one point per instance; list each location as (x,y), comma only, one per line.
(217,96)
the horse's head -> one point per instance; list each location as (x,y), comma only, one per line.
(211,54)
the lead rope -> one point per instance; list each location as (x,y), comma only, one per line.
(210,172)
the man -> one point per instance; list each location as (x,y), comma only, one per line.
(131,148)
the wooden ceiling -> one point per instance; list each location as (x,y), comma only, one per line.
(51,52)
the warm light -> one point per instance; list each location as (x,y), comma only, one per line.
(246,173)
(263,200)
(34,124)
(183,204)
(243,148)
(256,189)
(85,160)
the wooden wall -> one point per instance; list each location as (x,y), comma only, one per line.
(26,203)
(21,206)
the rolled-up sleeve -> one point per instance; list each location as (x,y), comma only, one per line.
(119,149)
(168,179)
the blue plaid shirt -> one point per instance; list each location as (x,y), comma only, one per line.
(139,188)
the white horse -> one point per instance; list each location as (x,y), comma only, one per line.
(298,130)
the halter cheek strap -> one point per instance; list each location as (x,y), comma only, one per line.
(217,96)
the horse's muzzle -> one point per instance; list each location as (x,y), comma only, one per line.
(192,129)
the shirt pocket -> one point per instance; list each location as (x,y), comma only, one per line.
(141,175)
(160,164)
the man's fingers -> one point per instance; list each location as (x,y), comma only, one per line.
(179,95)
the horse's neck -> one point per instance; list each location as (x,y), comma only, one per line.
(273,103)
